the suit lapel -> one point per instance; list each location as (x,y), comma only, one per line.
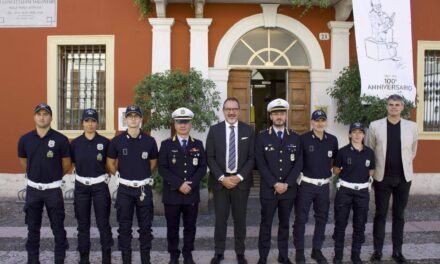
(384,131)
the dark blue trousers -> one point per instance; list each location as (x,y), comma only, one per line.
(99,196)
(306,195)
(52,199)
(127,202)
(346,200)
(268,208)
(189,216)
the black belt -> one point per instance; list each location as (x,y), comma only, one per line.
(230,174)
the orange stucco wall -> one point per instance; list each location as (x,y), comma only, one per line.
(23,62)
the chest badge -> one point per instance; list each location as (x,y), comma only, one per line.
(367,163)
(125,152)
(311,148)
(330,153)
(144,155)
(292,157)
(50,154)
(51,143)
(349,161)
(195,161)
(99,157)
(173,160)
(100,146)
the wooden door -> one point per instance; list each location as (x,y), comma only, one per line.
(239,85)
(299,100)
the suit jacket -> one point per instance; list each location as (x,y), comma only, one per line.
(278,161)
(177,166)
(216,154)
(377,141)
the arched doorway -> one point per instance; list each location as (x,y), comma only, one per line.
(269,63)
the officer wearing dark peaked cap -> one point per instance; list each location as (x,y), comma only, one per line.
(89,153)
(136,153)
(355,165)
(45,156)
(319,149)
(182,164)
(279,161)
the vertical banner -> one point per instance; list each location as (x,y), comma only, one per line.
(384,47)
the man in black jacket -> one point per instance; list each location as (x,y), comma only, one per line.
(230,156)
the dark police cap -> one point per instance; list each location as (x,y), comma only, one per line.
(43,106)
(90,114)
(133,109)
(356,125)
(319,114)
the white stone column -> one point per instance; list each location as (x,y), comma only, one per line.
(161,48)
(340,56)
(199,44)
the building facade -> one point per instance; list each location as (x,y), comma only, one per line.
(253,50)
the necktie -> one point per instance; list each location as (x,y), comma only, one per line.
(184,145)
(231,151)
(280,135)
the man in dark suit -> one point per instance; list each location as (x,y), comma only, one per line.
(279,159)
(230,156)
(182,164)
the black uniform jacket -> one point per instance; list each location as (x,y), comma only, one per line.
(177,166)
(278,161)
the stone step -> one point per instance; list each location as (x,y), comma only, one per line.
(417,253)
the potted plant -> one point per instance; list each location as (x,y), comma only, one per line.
(160,94)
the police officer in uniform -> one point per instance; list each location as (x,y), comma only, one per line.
(45,155)
(136,153)
(319,148)
(355,166)
(278,159)
(89,152)
(182,164)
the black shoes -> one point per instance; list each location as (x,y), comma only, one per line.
(284,260)
(126,257)
(173,261)
(318,256)
(356,258)
(241,259)
(188,260)
(217,258)
(300,258)
(376,257)
(84,257)
(398,257)
(339,255)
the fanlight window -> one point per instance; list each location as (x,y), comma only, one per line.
(265,47)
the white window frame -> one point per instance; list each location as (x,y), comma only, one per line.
(422,46)
(52,89)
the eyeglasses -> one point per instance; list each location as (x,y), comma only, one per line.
(231,109)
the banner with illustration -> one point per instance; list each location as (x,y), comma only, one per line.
(384,47)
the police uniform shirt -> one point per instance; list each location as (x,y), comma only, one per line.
(44,155)
(133,154)
(177,166)
(318,154)
(355,165)
(89,155)
(278,160)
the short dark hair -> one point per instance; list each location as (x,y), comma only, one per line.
(234,99)
(395,97)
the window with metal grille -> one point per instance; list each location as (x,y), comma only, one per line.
(81,84)
(431,121)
